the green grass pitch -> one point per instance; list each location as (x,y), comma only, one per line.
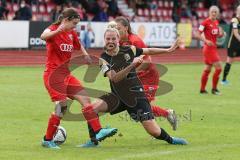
(210,123)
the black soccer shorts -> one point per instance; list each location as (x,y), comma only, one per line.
(141,111)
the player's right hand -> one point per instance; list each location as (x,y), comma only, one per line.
(138,60)
(63,27)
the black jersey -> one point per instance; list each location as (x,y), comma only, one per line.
(233,41)
(129,88)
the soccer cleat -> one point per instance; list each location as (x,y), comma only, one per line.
(105,132)
(50,144)
(225,82)
(216,92)
(179,141)
(172,119)
(203,92)
(88,144)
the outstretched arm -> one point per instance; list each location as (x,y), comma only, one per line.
(153,51)
(86,55)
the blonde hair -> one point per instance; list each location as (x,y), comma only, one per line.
(112,24)
(214,7)
(111,30)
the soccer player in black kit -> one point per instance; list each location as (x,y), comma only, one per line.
(118,63)
(233,45)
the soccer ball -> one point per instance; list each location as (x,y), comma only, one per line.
(60,135)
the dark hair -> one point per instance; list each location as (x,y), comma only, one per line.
(69,13)
(125,22)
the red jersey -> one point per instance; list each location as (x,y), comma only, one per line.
(60,48)
(210,29)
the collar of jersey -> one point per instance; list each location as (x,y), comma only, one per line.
(117,50)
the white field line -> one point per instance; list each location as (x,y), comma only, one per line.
(151,154)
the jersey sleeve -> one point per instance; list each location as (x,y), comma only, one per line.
(139,43)
(202,26)
(51,28)
(234,23)
(137,51)
(104,66)
(76,42)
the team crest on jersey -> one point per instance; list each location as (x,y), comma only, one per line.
(70,36)
(215,31)
(127,57)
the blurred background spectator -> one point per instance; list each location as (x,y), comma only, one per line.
(3,10)
(24,12)
(87,36)
(99,10)
(55,12)
(183,11)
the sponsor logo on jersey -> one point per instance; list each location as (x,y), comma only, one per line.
(66,47)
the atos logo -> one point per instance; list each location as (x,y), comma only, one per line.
(66,47)
(215,31)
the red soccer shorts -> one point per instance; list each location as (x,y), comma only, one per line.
(62,86)
(150,81)
(210,56)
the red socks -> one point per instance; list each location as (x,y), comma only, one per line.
(92,118)
(159,112)
(204,79)
(53,124)
(216,78)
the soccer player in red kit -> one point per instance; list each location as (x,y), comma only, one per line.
(61,41)
(209,31)
(147,72)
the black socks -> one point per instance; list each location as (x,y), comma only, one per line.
(165,136)
(226,71)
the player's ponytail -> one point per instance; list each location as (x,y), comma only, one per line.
(125,22)
(69,13)
(59,21)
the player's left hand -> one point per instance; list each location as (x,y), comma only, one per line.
(175,45)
